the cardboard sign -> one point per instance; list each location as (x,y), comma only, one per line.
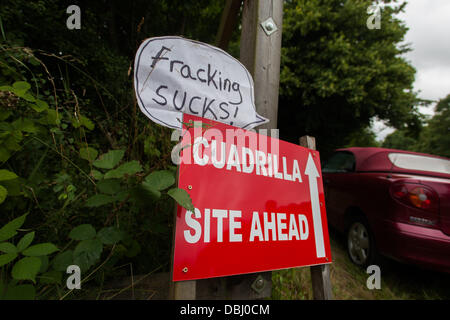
(173,75)
(259,203)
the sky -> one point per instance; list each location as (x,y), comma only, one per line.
(429,35)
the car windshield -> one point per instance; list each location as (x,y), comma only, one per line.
(421,163)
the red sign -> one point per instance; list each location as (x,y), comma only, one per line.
(259,203)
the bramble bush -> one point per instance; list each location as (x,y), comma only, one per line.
(93,193)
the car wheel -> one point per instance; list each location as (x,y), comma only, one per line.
(360,244)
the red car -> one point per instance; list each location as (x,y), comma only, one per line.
(390,202)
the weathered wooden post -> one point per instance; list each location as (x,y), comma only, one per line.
(260,53)
(180,290)
(320,275)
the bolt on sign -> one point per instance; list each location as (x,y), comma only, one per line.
(175,76)
(259,203)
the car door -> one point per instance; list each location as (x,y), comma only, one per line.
(340,185)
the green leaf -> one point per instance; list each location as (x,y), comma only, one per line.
(7,247)
(26,268)
(3,194)
(21,85)
(88,154)
(51,277)
(25,125)
(9,230)
(109,160)
(12,142)
(41,249)
(160,180)
(5,114)
(122,195)
(82,232)
(6,88)
(20,292)
(44,264)
(26,96)
(87,253)
(97,175)
(4,154)
(7,175)
(39,106)
(133,249)
(109,186)
(25,241)
(150,190)
(7,258)
(13,187)
(63,260)
(99,200)
(87,123)
(109,235)
(128,168)
(42,105)
(53,117)
(182,198)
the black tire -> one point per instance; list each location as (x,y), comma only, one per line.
(361,247)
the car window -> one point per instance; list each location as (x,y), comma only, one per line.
(418,162)
(340,162)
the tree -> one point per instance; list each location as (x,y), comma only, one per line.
(105,46)
(399,139)
(337,75)
(435,137)
(363,138)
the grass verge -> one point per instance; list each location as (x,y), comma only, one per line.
(398,281)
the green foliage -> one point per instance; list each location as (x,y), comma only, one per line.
(182,198)
(53,164)
(87,253)
(400,139)
(160,180)
(88,153)
(26,269)
(363,138)
(33,260)
(337,75)
(128,168)
(109,160)
(41,249)
(10,229)
(82,232)
(75,152)
(434,137)
(3,194)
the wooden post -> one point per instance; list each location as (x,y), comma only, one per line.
(184,290)
(179,290)
(320,275)
(260,53)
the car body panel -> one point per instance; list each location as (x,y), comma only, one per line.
(366,189)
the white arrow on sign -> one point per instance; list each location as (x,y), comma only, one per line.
(313,174)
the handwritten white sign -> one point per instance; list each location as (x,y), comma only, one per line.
(173,75)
